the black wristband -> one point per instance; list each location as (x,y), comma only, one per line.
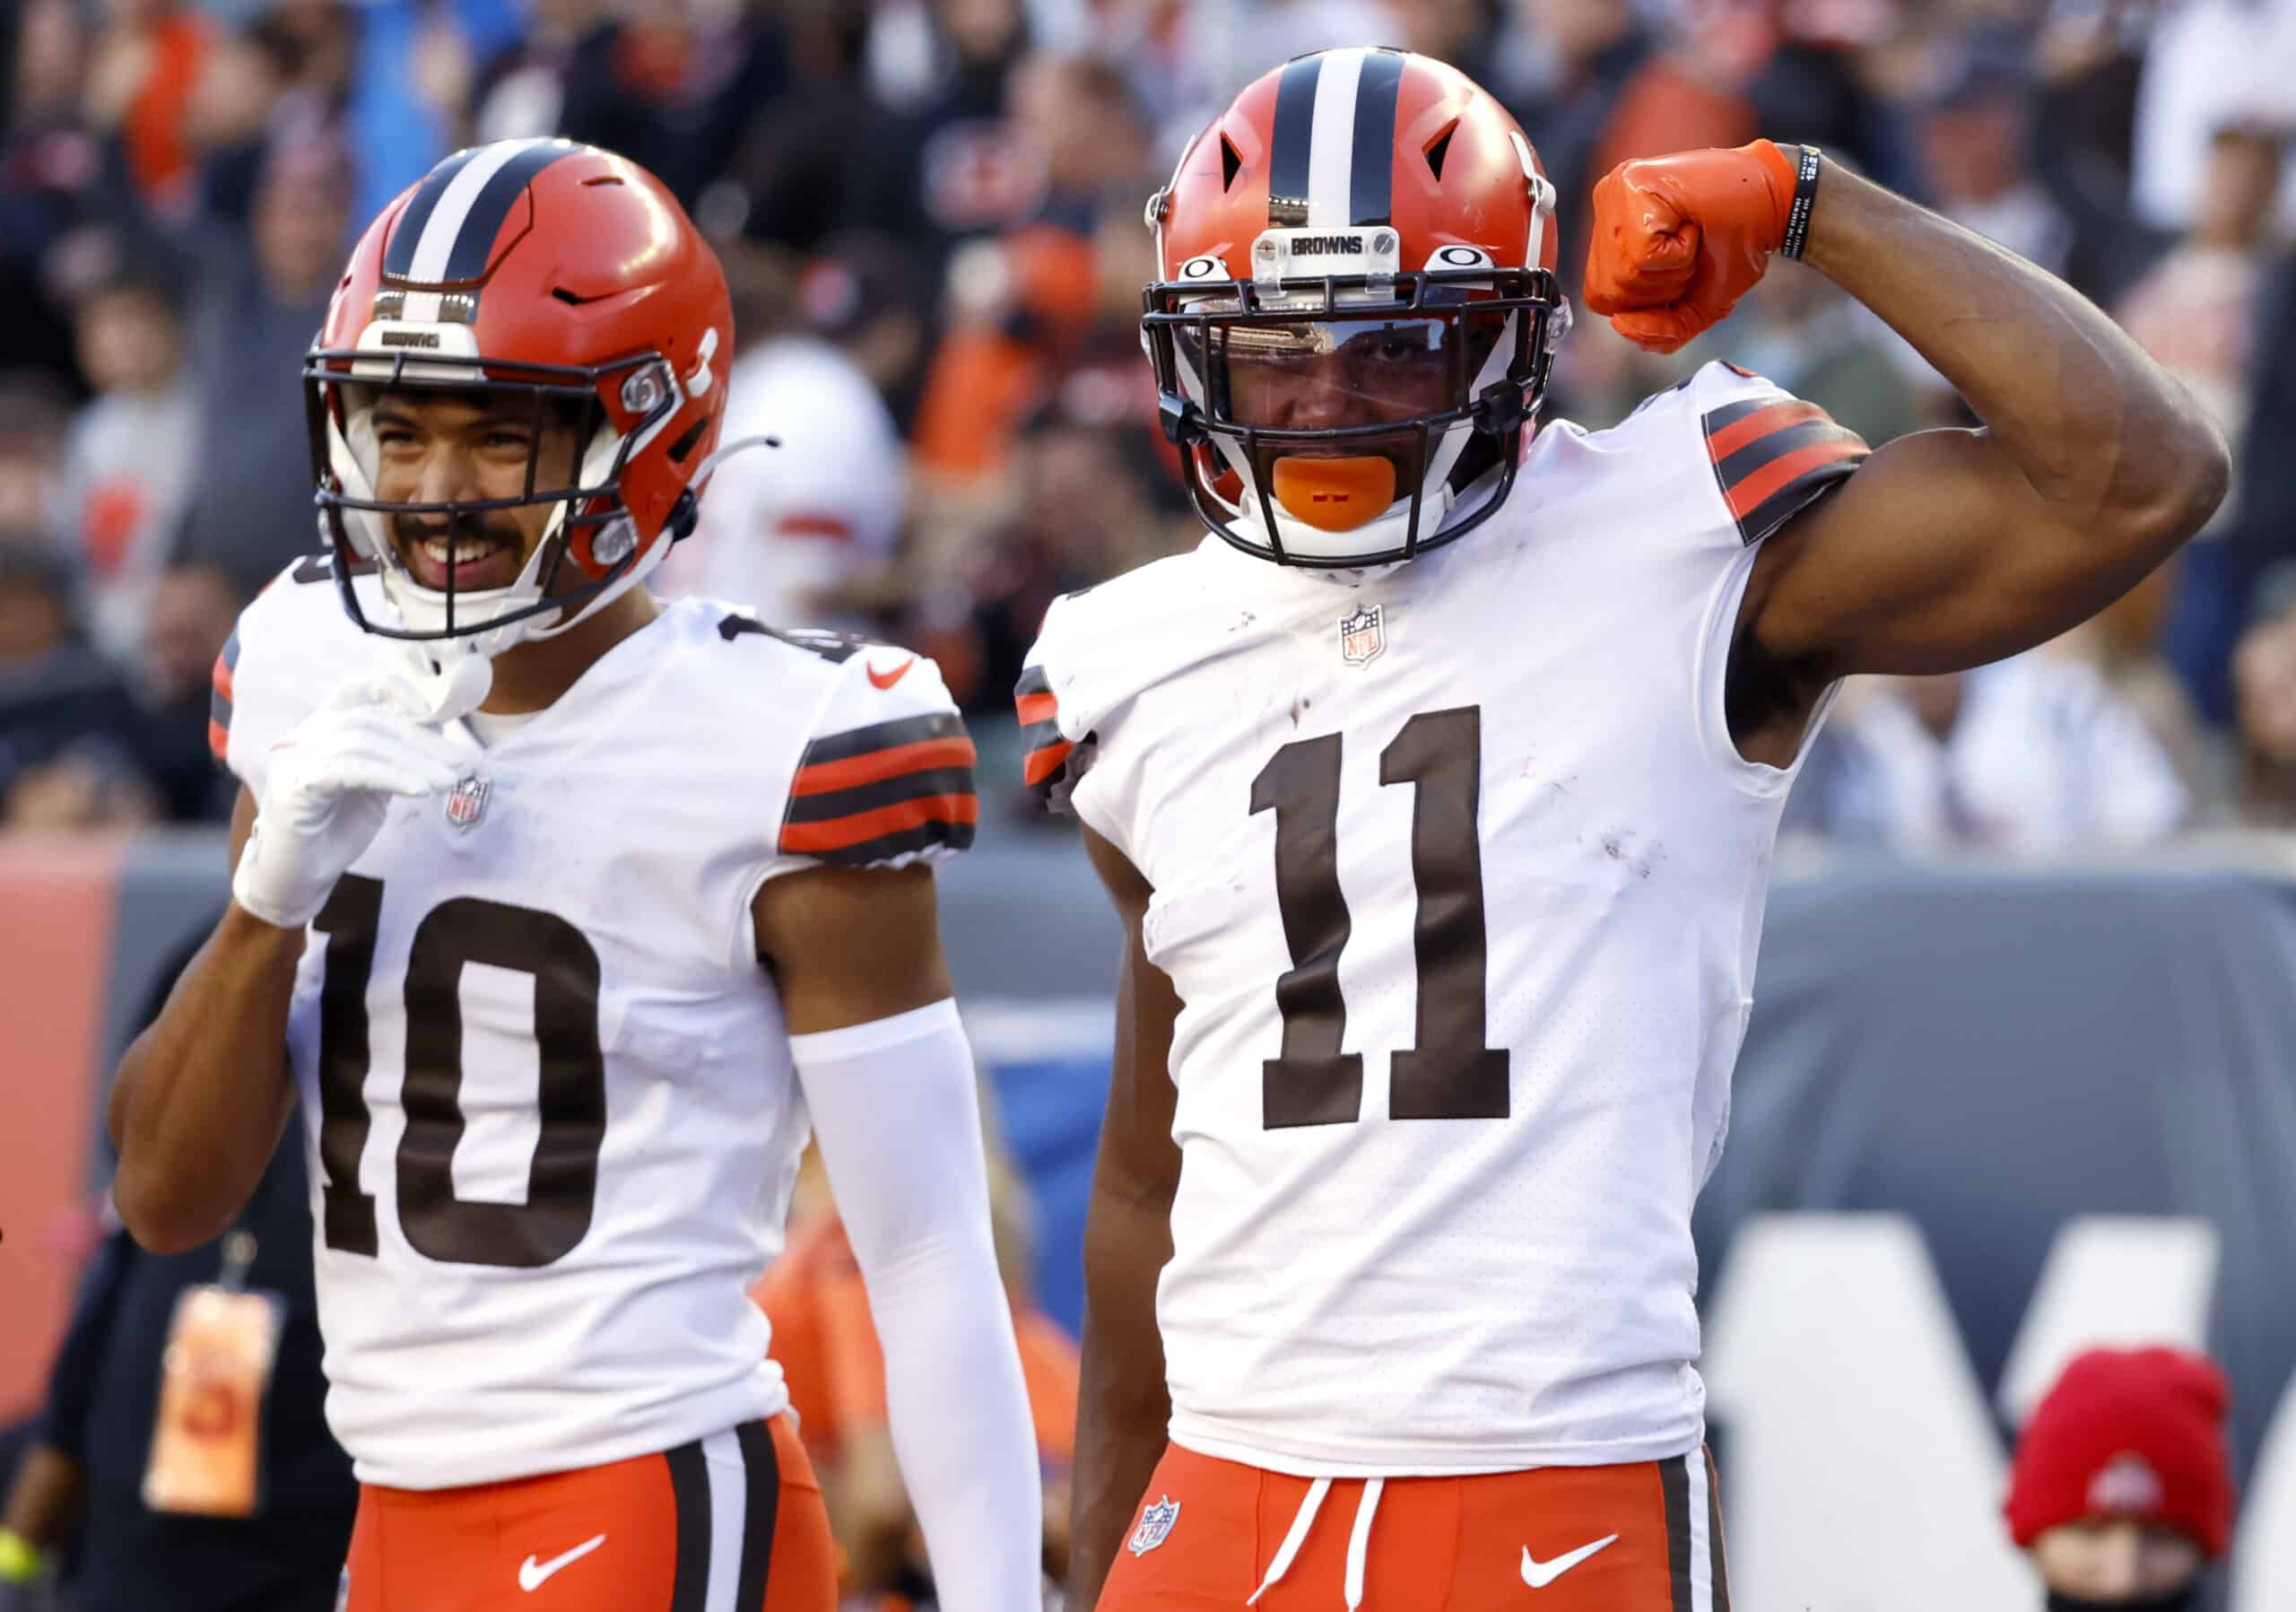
(1805,196)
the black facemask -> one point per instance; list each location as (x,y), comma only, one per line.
(2180,1601)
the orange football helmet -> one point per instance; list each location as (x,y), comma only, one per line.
(559,274)
(1357,310)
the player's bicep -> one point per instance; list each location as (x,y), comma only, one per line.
(1936,555)
(850,945)
(1139,1158)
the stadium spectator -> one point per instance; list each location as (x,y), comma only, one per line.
(45,158)
(35,416)
(2197,313)
(194,608)
(1022,305)
(825,159)
(86,1465)
(2264,703)
(1088,497)
(253,315)
(70,729)
(2207,63)
(140,80)
(672,86)
(1835,75)
(2121,1491)
(1462,32)
(2031,755)
(2086,67)
(1971,134)
(1591,51)
(129,467)
(2265,487)
(519,92)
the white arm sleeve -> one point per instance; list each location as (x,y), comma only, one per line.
(893,1105)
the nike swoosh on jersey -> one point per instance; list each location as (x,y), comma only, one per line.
(878,679)
(532,1573)
(1539,1574)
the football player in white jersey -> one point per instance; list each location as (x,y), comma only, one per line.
(564,914)
(1437,788)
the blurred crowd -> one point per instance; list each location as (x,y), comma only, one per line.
(930,216)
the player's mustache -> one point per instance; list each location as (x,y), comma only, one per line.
(454,527)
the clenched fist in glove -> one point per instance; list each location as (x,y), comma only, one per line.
(331,779)
(1678,239)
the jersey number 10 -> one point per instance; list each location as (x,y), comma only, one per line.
(562,1182)
(1450,1074)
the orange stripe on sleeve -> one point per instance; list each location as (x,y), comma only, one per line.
(1042,764)
(1036,708)
(1777,416)
(878,765)
(219,740)
(813,838)
(1748,494)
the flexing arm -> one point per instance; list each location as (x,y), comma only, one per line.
(1124,1407)
(203,1095)
(888,1080)
(1948,548)
(1952,548)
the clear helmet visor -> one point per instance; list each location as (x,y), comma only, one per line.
(1338,418)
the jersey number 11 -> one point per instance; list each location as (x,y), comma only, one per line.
(1450,1074)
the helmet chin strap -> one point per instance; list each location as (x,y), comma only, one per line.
(454,686)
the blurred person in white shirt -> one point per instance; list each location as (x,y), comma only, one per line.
(128,467)
(2032,754)
(791,531)
(2208,63)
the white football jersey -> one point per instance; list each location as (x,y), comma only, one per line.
(546,1084)
(1459,877)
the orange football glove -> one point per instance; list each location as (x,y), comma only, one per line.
(1678,239)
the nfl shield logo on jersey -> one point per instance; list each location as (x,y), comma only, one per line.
(1155,1523)
(466,802)
(1361,636)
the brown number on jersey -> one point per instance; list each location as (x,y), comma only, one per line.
(1450,1074)
(562,1182)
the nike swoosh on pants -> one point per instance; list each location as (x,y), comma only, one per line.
(1539,1574)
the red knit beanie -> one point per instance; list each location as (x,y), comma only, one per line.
(2128,1432)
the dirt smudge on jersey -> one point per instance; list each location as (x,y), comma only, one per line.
(1616,848)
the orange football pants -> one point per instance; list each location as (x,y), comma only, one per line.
(1210,1534)
(730,1523)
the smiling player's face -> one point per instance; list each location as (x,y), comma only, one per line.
(437,448)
